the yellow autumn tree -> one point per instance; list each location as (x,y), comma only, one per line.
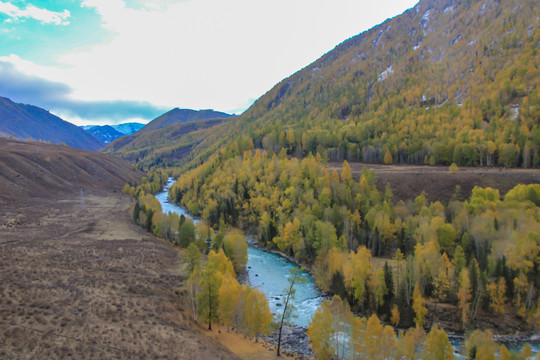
(419,307)
(388,159)
(356,340)
(229,294)
(526,352)
(356,272)
(235,247)
(320,330)
(256,315)
(341,320)
(504,354)
(437,346)
(409,343)
(464,295)
(378,285)
(373,337)
(497,290)
(442,281)
(480,345)
(346,174)
(220,262)
(394,319)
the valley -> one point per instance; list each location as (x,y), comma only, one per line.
(388,192)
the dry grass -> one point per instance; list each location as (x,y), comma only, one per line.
(81,280)
(247,348)
(408,181)
(86,283)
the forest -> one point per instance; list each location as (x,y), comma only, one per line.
(382,259)
(377,252)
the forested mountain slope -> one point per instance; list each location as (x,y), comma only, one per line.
(176,116)
(26,121)
(446,81)
(169,146)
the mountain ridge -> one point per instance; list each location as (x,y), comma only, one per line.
(105,133)
(178,115)
(23,122)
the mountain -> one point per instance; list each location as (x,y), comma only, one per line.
(105,133)
(446,81)
(177,115)
(170,138)
(108,133)
(128,128)
(167,146)
(30,122)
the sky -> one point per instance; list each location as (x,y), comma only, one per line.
(115,61)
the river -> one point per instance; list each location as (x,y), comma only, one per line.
(269,272)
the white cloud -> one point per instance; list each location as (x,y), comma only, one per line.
(43,15)
(215,53)
(207,53)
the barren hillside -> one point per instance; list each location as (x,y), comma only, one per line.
(79,279)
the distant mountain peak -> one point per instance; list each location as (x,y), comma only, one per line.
(109,133)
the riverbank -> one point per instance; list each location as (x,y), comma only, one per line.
(246,348)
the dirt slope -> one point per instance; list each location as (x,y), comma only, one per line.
(34,169)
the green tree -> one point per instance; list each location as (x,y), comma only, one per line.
(186,233)
(208,298)
(192,257)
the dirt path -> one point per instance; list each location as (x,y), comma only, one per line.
(86,283)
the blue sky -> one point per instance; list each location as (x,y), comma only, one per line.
(113,61)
